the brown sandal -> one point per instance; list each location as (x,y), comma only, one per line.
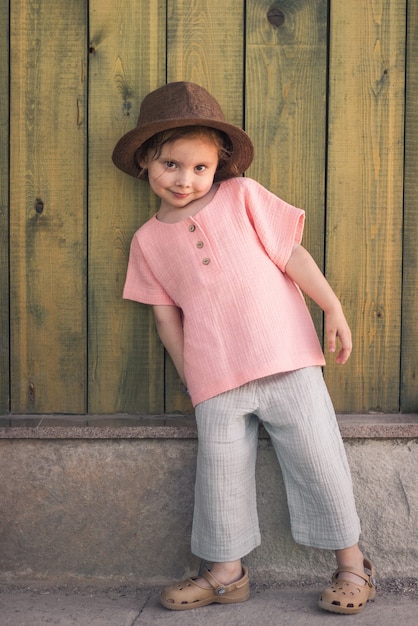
(190,595)
(344,596)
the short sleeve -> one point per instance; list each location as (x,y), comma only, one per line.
(279,225)
(141,284)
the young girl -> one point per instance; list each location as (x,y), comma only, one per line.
(222,266)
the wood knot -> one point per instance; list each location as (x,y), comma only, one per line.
(276,17)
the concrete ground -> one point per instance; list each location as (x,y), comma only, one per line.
(34,605)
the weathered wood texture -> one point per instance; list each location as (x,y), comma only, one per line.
(364,197)
(4,207)
(127,60)
(48,207)
(286,108)
(409,351)
(319,86)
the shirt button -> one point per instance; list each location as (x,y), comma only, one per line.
(206,261)
(192,228)
(199,244)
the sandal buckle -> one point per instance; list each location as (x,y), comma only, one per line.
(220,591)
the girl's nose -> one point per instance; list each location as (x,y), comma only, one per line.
(183,179)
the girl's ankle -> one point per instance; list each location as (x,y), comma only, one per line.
(227,573)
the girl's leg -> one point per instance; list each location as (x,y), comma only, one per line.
(225,522)
(299,416)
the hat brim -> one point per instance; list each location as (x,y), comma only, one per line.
(124,154)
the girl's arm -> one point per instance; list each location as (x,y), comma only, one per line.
(303,270)
(169,324)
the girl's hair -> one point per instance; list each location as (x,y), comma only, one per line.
(153,146)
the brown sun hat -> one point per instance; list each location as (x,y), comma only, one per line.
(181,104)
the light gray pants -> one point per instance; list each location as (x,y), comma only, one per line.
(297,412)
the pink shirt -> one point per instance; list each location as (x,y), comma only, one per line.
(243,317)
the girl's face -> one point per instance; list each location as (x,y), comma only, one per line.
(183,172)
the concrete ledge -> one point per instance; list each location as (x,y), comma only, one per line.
(378,426)
(111,498)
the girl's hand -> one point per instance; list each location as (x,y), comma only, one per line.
(336,326)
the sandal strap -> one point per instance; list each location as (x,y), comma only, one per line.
(367,574)
(349,570)
(218,588)
(214,583)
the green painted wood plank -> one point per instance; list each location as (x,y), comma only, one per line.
(47,207)
(4,206)
(365,174)
(286,65)
(127,60)
(409,351)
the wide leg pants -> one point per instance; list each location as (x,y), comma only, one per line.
(297,412)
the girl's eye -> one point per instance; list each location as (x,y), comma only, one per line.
(200,168)
(170,165)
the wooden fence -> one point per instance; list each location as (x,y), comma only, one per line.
(329,94)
